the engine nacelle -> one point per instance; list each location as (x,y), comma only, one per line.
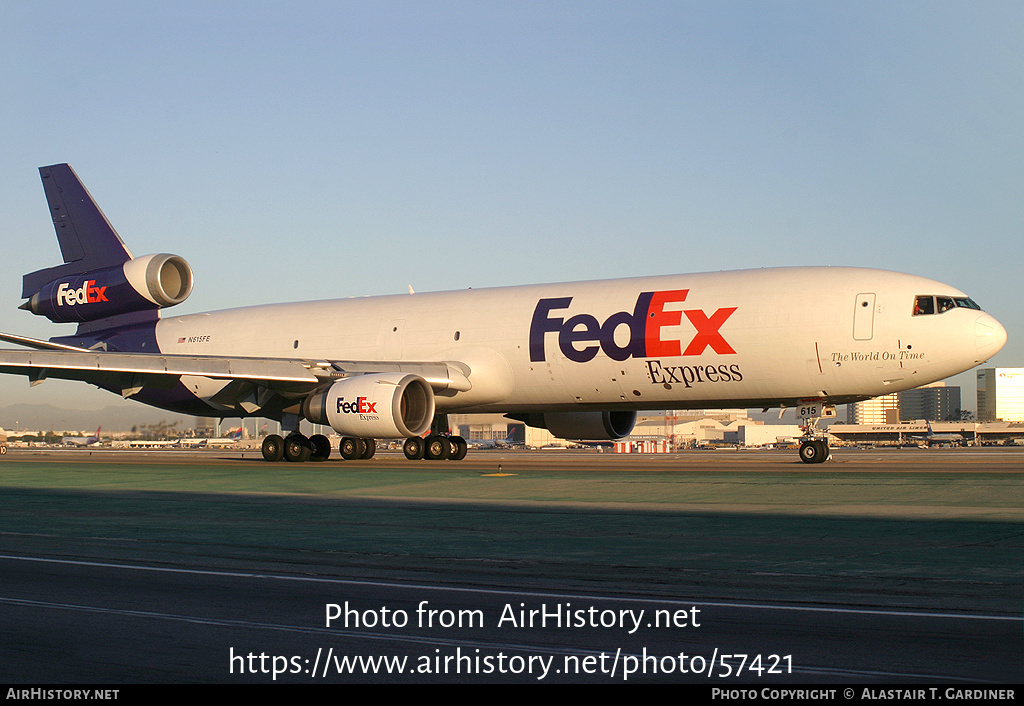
(379,406)
(582,426)
(150,282)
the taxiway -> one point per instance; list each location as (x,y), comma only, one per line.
(893,566)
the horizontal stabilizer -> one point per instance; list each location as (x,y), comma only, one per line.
(37,343)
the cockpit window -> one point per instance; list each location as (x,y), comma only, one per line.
(927,304)
(966,303)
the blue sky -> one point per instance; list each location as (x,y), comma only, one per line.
(304,150)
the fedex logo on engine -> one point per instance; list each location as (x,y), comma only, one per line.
(88,293)
(360,406)
(645,326)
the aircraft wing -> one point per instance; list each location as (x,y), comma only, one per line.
(129,372)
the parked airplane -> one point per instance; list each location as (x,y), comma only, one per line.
(509,440)
(82,440)
(214,441)
(577,358)
(934,438)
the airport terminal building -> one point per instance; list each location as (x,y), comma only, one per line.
(936,402)
(916,433)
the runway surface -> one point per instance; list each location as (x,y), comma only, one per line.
(716,567)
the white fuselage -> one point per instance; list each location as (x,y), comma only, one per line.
(757,337)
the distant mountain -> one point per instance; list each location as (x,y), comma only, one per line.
(44,417)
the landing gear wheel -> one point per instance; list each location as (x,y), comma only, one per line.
(369,449)
(459,448)
(273,448)
(413,448)
(438,448)
(351,448)
(297,448)
(814,451)
(826,453)
(321,448)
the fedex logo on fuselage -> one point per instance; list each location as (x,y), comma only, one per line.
(580,337)
(88,293)
(360,406)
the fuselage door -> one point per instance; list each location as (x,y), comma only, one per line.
(864,317)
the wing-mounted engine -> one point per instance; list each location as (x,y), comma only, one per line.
(140,284)
(581,426)
(383,405)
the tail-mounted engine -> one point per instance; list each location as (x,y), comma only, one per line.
(382,405)
(140,284)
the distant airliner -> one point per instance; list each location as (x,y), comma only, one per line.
(578,359)
(509,440)
(82,440)
(936,438)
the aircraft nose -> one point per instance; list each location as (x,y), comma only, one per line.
(990,336)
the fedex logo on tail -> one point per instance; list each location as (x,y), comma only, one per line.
(88,293)
(580,337)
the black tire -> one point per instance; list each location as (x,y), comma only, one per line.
(351,448)
(370,448)
(413,448)
(321,448)
(273,448)
(814,451)
(438,448)
(809,452)
(297,448)
(825,453)
(459,448)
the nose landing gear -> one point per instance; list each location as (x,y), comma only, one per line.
(814,444)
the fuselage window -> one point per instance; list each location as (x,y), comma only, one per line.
(924,305)
(945,304)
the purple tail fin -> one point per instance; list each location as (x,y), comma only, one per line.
(87,240)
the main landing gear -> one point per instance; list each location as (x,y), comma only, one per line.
(438,445)
(352,448)
(295,447)
(435,447)
(298,448)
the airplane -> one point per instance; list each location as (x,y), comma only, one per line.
(230,440)
(82,440)
(219,442)
(934,438)
(509,440)
(578,358)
